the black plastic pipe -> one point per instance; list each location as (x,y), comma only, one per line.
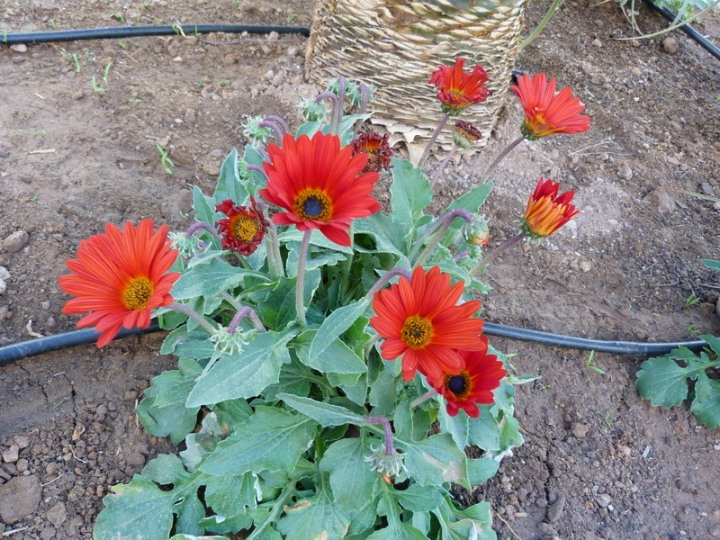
(121,32)
(18,351)
(689,30)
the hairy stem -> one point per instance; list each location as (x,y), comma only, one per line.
(300,284)
(441,226)
(194,315)
(486,175)
(482,265)
(432,140)
(246,311)
(385,423)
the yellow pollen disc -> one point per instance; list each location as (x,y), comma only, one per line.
(244,228)
(416,332)
(137,293)
(313,204)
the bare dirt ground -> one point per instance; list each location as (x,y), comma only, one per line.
(598,461)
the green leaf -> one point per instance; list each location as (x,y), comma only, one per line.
(434,461)
(396,529)
(323,413)
(139,509)
(710,263)
(208,280)
(706,405)
(316,239)
(484,431)
(457,426)
(193,537)
(355,386)
(389,236)
(232,495)
(419,499)
(314,260)
(335,325)
(383,393)
(228,185)
(174,386)
(165,469)
(316,518)
(480,470)
(473,199)
(272,439)
(410,193)
(243,374)
(335,358)
(204,207)
(189,513)
(351,479)
(175,421)
(663,381)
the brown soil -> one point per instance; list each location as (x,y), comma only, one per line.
(598,462)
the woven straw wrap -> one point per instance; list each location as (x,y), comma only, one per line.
(395,45)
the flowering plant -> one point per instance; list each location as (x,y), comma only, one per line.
(333,379)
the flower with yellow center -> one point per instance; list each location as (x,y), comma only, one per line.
(457,90)
(319,185)
(119,277)
(420,321)
(244,227)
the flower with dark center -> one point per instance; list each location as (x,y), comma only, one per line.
(545,112)
(244,227)
(547,211)
(457,90)
(320,185)
(420,321)
(119,277)
(473,384)
(376,147)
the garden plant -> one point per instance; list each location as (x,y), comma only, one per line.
(333,377)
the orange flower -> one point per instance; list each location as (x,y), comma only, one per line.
(546,212)
(377,148)
(472,384)
(243,229)
(457,89)
(419,320)
(547,113)
(119,277)
(320,185)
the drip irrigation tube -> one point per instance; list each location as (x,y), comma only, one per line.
(58,342)
(689,30)
(121,32)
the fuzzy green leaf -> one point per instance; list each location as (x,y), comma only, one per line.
(204,206)
(484,431)
(457,426)
(243,374)
(139,510)
(316,518)
(419,499)
(434,461)
(335,325)
(663,381)
(706,405)
(208,280)
(272,439)
(324,414)
(480,470)
(351,479)
(410,193)
(175,421)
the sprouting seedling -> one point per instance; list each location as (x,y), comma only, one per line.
(692,300)
(52,23)
(98,89)
(591,363)
(178,29)
(165,161)
(76,62)
(609,419)
(106,73)
(119,17)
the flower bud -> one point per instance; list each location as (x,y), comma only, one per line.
(465,134)
(477,232)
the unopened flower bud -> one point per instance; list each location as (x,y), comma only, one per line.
(188,247)
(477,232)
(227,343)
(312,111)
(257,134)
(465,134)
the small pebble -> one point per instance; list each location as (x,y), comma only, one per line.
(16,241)
(579,430)
(19,47)
(670,45)
(603,500)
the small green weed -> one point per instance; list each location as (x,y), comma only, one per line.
(692,300)
(590,363)
(119,17)
(165,161)
(52,23)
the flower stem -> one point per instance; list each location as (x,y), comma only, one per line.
(278,120)
(486,175)
(277,128)
(246,311)
(194,315)
(335,121)
(422,399)
(258,168)
(442,166)
(432,140)
(385,423)
(300,284)
(385,279)
(542,24)
(200,226)
(441,225)
(274,258)
(482,265)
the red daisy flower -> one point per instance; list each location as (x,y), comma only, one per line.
(320,185)
(472,384)
(547,113)
(457,89)
(547,211)
(243,229)
(419,320)
(119,277)
(377,148)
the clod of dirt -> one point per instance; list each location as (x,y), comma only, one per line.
(15,241)
(19,498)
(670,45)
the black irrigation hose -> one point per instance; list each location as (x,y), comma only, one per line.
(121,32)
(58,342)
(689,30)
